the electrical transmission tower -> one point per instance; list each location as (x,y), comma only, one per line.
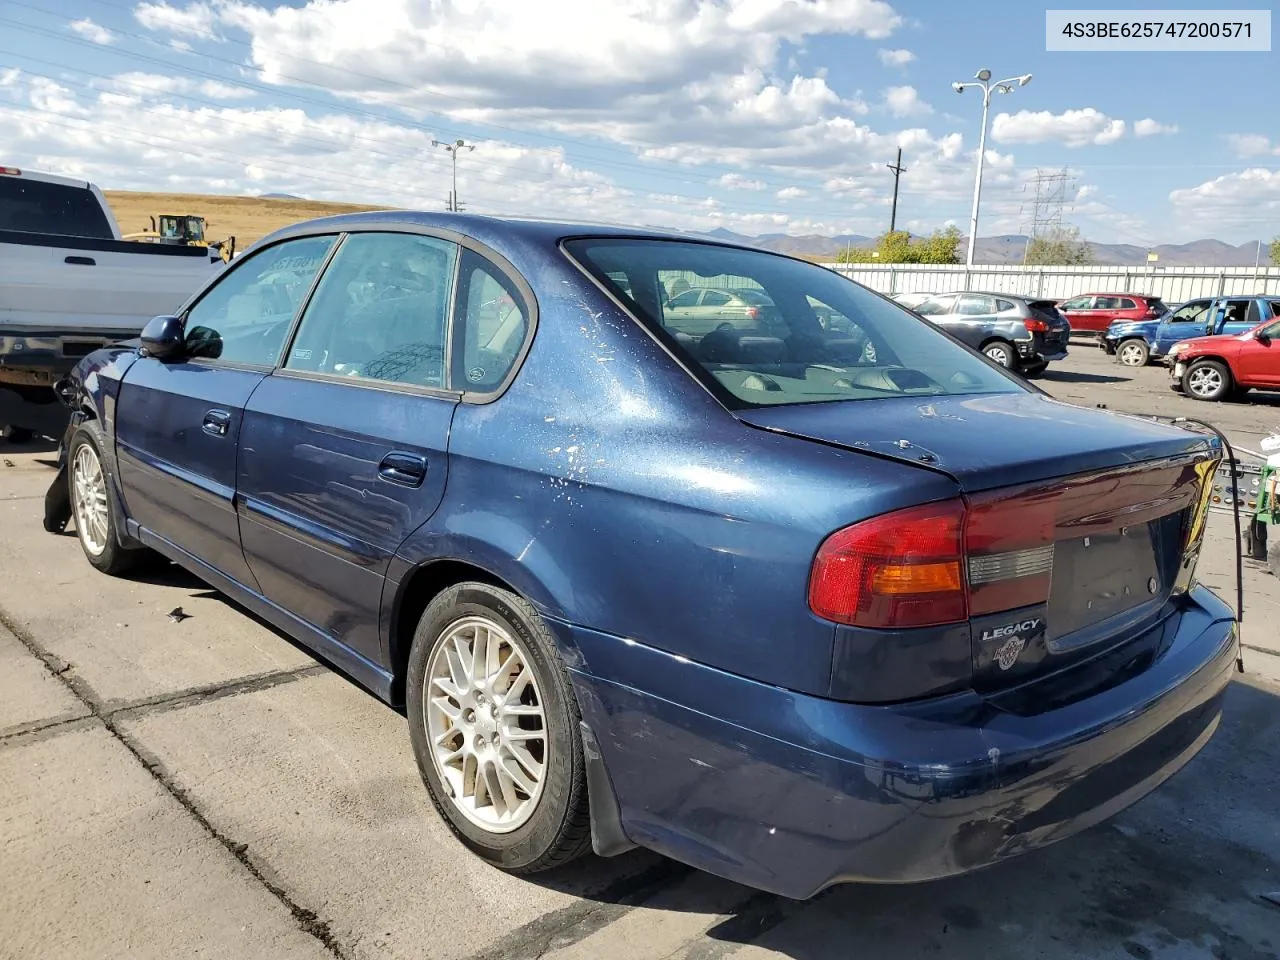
(453,205)
(1048,204)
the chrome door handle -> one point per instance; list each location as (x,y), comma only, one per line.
(216,423)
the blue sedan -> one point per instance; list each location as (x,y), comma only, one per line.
(794,601)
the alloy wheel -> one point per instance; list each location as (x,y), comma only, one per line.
(1132,354)
(89,499)
(485,720)
(1204,382)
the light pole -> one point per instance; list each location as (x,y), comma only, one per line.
(453,206)
(983,79)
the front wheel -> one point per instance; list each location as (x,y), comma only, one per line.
(495,729)
(88,481)
(1133,353)
(1207,380)
(1001,352)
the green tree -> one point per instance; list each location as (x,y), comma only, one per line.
(942,246)
(1060,248)
(1275,252)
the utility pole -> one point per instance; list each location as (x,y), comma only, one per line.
(898,170)
(453,206)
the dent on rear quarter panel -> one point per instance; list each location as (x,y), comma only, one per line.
(610,489)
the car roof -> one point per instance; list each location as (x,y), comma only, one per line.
(1113,293)
(989,293)
(492,230)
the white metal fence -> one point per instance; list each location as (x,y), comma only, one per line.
(1172,284)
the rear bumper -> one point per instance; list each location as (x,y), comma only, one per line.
(792,793)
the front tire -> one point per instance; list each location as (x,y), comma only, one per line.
(90,496)
(1207,380)
(1133,353)
(495,729)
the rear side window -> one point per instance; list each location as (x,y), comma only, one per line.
(494,322)
(1106,303)
(380,311)
(823,339)
(33,206)
(974,306)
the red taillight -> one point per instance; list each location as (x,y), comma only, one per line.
(901,569)
(1036,326)
(753,313)
(10,171)
(939,563)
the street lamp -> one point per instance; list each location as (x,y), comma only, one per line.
(452,148)
(983,79)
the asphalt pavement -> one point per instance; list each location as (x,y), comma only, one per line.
(201,786)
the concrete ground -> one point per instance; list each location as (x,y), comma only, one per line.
(206,788)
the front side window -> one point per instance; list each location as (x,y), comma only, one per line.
(1079,303)
(825,339)
(935,306)
(246,315)
(380,311)
(1191,312)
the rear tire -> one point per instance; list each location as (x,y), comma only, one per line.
(1001,352)
(1133,352)
(511,785)
(89,488)
(1207,380)
(1255,540)
(1273,558)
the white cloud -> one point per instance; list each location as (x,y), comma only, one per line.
(895,58)
(1249,145)
(198,20)
(1152,128)
(138,84)
(1072,128)
(93,31)
(736,181)
(1086,191)
(792,193)
(905,102)
(1249,196)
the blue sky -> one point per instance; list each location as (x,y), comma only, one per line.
(754,115)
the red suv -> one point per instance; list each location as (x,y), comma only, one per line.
(1211,368)
(1093,312)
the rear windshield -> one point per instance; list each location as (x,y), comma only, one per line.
(826,338)
(33,206)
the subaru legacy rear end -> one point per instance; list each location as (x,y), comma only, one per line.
(1018,647)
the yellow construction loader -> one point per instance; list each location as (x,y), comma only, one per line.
(183,228)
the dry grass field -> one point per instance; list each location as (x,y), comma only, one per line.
(245,218)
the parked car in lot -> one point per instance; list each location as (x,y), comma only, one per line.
(1136,342)
(749,599)
(1018,333)
(702,309)
(68,285)
(1092,313)
(1225,315)
(1220,366)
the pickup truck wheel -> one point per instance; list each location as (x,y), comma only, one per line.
(1207,380)
(496,729)
(16,434)
(1001,352)
(1133,353)
(91,505)
(1273,557)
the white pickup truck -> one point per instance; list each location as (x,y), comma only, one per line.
(69,285)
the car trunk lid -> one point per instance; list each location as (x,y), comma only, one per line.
(1080,525)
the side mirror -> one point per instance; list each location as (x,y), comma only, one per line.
(162,338)
(1262,337)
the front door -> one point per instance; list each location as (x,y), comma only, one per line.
(1258,362)
(178,421)
(343,453)
(1080,314)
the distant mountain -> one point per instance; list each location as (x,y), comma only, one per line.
(280,196)
(1010,248)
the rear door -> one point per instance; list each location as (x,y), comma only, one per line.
(178,422)
(1237,315)
(344,449)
